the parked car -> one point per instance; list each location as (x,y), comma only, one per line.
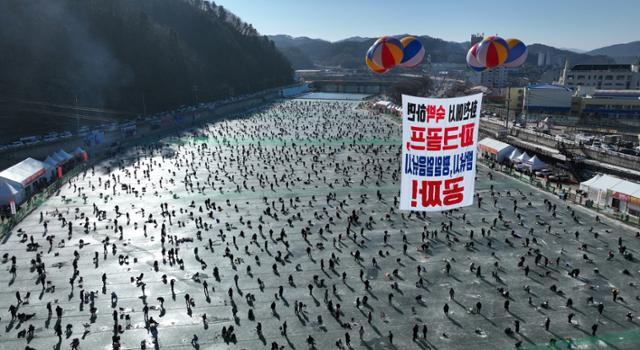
(66,135)
(50,138)
(16,144)
(521,167)
(627,151)
(559,178)
(30,140)
(544,172)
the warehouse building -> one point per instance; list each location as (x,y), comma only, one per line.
(547,98)
(602,76)
(607,103)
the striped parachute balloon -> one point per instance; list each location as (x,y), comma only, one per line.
(517,53)
(413,52)
(472,59)
(386,53)
(371,64)
(492,51)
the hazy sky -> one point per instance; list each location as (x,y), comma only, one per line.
(580,24)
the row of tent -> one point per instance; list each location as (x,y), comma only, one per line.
(388,106)
(502,152)
(523,159)
(20,181)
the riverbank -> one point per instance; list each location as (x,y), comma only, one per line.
(117,144)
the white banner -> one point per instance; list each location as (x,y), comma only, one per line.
(439,140)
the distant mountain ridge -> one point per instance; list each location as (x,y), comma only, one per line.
(618,50)
(283,40)
(622,53)
(573,50)
(349,52)
(354,38)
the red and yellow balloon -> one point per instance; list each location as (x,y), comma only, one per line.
(493,52)
(384,54)
(389,52)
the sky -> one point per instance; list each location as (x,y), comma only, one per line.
(576,24)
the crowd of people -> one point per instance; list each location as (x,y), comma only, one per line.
(280,229)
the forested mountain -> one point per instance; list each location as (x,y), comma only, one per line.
(115,53)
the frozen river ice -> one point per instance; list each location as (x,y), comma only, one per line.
(264,200)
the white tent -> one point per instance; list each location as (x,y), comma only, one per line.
(605,182)
(627,194)
(586,185)
(51,161)
(50,165)
(382,104)
(626,187)
(80,154)
(9,193)
(514,155)
(498,149)
(60,156)
(77,152)
(58,159)
(64,155)
(22,175)
(598,187)
(523,158)
(534,163)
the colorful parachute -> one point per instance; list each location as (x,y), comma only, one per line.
(493,52)
(517,53)
(413,52)
(371,64)
(388,52)
(472,59)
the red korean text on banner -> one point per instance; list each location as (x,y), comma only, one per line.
(439,152)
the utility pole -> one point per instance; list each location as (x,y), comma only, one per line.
(144,105)
(195,92)
(77,116)
(508,106)
(524,101)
